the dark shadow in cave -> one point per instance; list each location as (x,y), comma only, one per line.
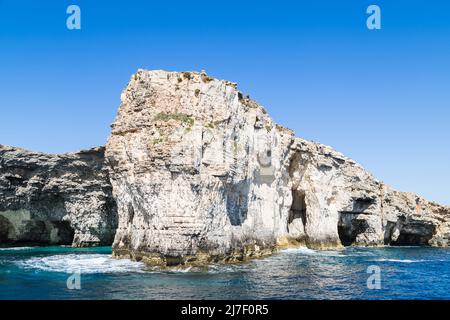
(349,227)
(237,202)
(361,204)
(298,207)
(415,234)
(6,228)
(65,231)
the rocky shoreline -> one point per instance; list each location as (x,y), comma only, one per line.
(194,172)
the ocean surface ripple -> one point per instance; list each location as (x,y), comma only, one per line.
(405,273)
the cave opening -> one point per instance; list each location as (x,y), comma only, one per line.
(43,232)
(298,207)
(63,232)
(352,223)
(237,202)
(414,236)
(410,239)
(349,227)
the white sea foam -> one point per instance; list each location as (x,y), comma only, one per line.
(84,263)
(303,250)
(175,269)
(311,252)
(15,248)
(400,260)
(227,268)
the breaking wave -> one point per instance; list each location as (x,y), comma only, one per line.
(85,264)
(400,260)
(303,250)
(322,253)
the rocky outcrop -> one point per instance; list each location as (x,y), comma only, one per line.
(342,203)
(55,199)
(201,173)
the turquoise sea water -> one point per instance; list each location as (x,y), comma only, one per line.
(405,273)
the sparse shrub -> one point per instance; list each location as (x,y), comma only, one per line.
(181,117)
(187,75)
(157,141)
(205,78)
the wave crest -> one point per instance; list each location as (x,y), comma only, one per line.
(85,263)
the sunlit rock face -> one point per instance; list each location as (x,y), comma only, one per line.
(55,199)
(346,204)
(201,173)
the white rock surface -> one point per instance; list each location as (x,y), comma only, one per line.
(201,174)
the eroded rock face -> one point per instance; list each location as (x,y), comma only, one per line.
(201,174)
(55,199)
(345,204)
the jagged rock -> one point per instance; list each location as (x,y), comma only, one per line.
(339,192)
(202,174)
(55,199)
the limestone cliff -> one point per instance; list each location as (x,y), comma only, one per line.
(343,203)
(201,173)
(55,199)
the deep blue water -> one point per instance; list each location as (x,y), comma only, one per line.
(405,273)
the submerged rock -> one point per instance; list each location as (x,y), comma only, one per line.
(55,199)
(200,173)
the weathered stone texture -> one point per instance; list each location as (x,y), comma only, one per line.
(55,199)
(200,173)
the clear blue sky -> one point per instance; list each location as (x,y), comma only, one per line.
(381,97)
